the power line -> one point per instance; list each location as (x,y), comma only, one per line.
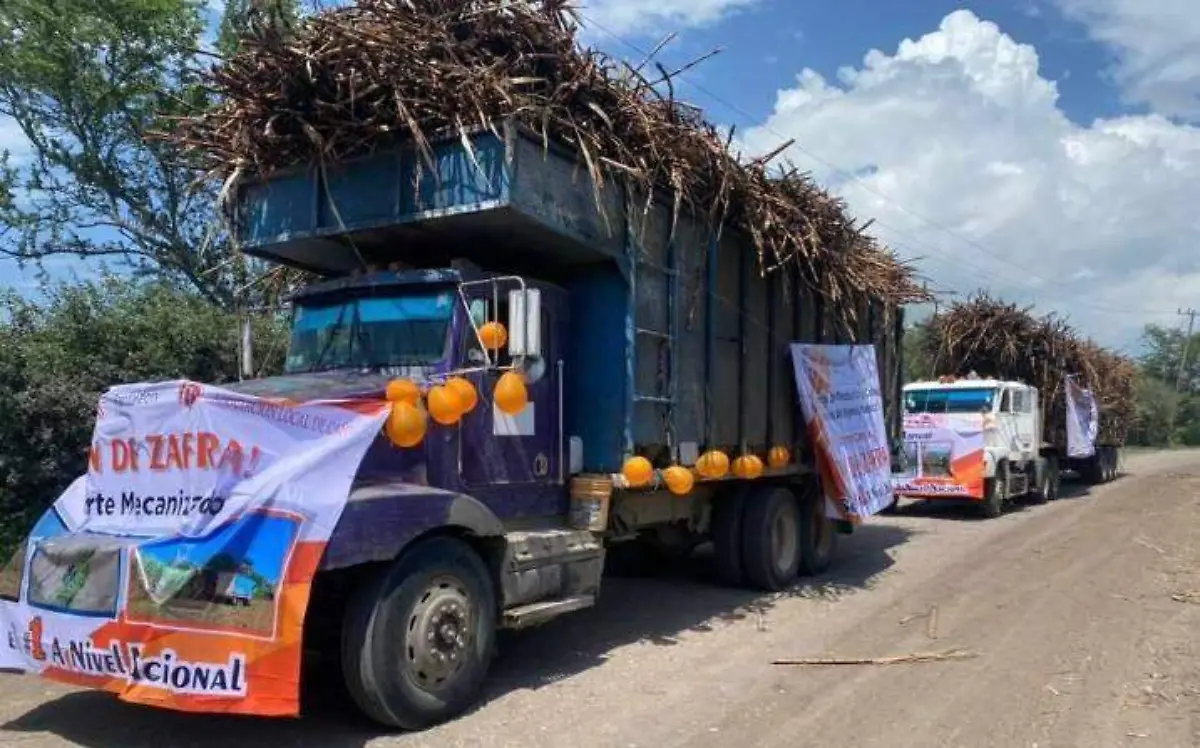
(987,252)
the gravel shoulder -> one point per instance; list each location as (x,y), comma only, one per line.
(1082,616)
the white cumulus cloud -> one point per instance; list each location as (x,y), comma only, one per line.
(1158,49)
(651,16)
(962,154)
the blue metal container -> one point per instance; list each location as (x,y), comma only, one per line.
(677,343)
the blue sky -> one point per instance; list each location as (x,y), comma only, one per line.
(1044,150)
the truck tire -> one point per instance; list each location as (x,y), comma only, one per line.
(771,538)
(818,536)
(1040,493)
(418,638)
(992,505)
(726,530)
(1093,471)
(1113,472)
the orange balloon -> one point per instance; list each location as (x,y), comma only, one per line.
(445,406)
(748,466)
(779,457)
(403,391)
(638,471)
(679,480)
(406,424)
(510,395)
(494,336)
(713,464)
(465,391)
(756,467)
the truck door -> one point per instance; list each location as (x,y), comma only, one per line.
(1025,414)
(516,457)
(1006,420)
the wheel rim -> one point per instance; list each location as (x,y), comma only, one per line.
(439,634)
(785,540)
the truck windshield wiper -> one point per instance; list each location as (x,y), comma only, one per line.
(333,335)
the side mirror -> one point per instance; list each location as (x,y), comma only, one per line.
(525,323)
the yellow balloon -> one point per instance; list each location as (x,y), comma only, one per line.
(679,480)
(406,424)
(465,391)
(445,406)
(779,457)
(493,335)
(638,471)
(403,391)
(510,395)
(713,464)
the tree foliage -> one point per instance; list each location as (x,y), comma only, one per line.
(241,14)
(1169,404)
(58,355)
(88,82)
(917,364)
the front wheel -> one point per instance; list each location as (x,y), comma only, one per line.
(418,638)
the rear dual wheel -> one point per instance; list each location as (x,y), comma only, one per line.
(1048,482)
(764,536)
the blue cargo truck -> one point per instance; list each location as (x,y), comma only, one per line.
(636,334)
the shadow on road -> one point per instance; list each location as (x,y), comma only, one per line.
(968,511)
(658,610)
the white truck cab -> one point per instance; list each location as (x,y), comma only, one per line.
(1017,461)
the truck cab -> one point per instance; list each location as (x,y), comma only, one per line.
(1007,415)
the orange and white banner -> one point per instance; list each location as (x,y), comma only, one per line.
(843,408)
(944,456)
(177,571)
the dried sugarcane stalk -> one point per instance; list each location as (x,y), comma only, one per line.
(351,80)
(993,338)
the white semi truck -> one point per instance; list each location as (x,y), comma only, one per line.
(986,440)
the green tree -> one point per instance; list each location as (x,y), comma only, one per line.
(88,82)
(1156,402)
(58,355)
(917,364)
(1168,405)
(241,15)
(1164,353)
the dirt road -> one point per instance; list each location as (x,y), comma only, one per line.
(1084,616)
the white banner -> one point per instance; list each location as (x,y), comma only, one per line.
(1083,420)
(177,570)
(843,408)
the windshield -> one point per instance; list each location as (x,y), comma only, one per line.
(409,330)
(949,400)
